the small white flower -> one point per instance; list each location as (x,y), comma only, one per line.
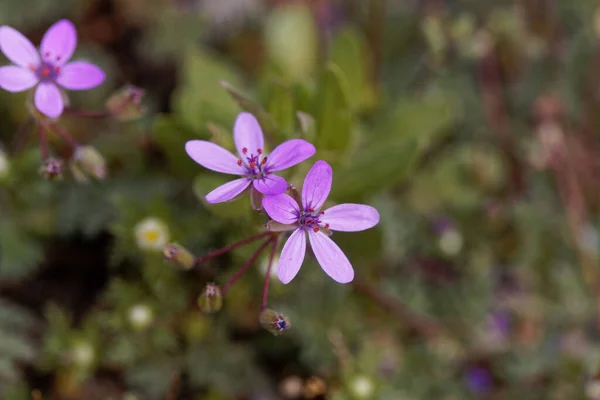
(140,316)
(83,354)
(451,242)
(362,387)
(4,165)
(151,234)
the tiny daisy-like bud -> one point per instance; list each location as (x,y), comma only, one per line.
(86,162)
(362,387)
(211,299)
(52,169)
(126,104)
(151,234)
(140,316)
(4,166)
(274,322)
(179,256)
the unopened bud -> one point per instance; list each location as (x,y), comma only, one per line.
(274,226)
(126,104)
(211,299)
(52,169)
(274,322)
(87,161)
(179,256)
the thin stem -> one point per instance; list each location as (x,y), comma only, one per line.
(265,294)
(65,135)
(43,142)
(245,267)
(421,324)
(231,247)
(86,113)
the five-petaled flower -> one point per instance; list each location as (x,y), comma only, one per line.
(47,67)
(309,218)
(254,165)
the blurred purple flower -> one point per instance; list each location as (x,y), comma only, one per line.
(309,218)
(47,67)
(478,380)
(254,166)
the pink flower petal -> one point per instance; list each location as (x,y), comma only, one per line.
(290,153)
(317,185)
(270,184)
(59,42)
(80,75)
(17,48)
(247,135)
(350,217)
(48,99)
(332,259)
(227,191)
(282,208)
(16,79)
(213,157)
(291,256)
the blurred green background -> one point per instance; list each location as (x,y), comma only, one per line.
(472,126)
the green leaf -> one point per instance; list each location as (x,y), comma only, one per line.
(199,97)
(281,106)
(171,136)
(334,117)
(19,253)
(388,159)
(349,53)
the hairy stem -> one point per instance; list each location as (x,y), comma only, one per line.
(230,247)
(245,267)
(265,295)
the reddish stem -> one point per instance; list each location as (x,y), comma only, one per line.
(231,247)
(65,135)
(43,142)
(245,267)
(86,113)
(265,294)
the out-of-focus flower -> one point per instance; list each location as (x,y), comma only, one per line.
(82,354)
(211,299)
(179,256)
(254,166)
(264,266)
(478,380)
(4,165)
(140,316)
(362,387)
(87,162)
(47,68)
(126,104)
(291,387)
(151,234)
(450,239)
(310,219)
(274,322)
(52,169)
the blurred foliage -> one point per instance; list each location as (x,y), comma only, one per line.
(471,126)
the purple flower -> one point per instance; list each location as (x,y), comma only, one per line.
(310,219)
(47,68)
(253,165)
(478,380)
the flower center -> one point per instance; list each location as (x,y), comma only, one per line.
(255,164)
(309,219)
(46,71)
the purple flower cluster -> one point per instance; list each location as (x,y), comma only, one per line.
(305,217)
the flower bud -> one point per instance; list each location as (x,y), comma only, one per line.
(211,299)
(274,322)
(87,161)
(151,234)
(52,169)
(179,256)
(126,104)
(140,316)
